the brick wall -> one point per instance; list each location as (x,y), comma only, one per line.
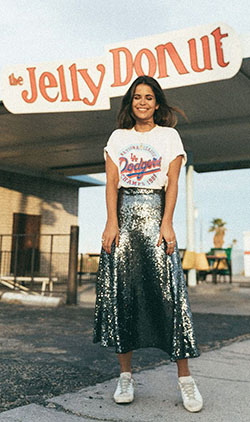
(57,203)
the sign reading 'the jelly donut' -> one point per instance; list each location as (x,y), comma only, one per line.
(180,58)
(56,87)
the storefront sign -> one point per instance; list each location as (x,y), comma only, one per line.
(56,87)
(187,57)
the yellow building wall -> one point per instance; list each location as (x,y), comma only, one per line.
(57,203)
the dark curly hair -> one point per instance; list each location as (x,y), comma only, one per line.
(165,115)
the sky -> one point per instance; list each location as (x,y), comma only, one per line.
(47,30)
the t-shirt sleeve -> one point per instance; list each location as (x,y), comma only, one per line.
(111,148)
(177,148)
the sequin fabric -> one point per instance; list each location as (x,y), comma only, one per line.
(142,299)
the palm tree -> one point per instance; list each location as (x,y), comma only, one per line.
(218,226)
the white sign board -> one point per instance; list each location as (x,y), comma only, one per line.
(191,56)
(55,87)
(187,57)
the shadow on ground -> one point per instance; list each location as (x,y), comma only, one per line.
(47,352)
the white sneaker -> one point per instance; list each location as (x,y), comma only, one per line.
(192,400)
(124,392)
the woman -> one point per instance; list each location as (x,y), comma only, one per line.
(142,298)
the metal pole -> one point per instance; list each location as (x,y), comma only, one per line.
(201,235)
(15,258)
(32,262)
(72,275)
(190,216)
(50,256)
(81,269)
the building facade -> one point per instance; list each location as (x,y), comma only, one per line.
(35,219)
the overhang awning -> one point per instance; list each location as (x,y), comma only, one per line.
(57,145)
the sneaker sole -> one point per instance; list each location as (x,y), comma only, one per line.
(123,400)
(193,411)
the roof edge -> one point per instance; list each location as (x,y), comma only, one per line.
(232,165)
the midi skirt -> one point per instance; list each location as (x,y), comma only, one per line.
(142,299)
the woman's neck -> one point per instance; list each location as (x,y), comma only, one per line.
(144,126)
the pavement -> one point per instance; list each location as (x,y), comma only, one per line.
(31,353)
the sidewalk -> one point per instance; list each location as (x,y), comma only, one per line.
(222,375)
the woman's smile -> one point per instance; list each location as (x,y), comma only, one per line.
(144,103)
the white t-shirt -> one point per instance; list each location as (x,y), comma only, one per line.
(143,158)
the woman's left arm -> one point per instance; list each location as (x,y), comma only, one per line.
(167,231)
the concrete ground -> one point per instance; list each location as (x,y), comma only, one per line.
(48,359)
(206,297)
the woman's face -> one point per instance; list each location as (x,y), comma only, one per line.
(144,103)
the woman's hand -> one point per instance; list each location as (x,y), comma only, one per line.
(167,233)
(110,233)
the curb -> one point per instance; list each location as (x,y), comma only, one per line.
(27,299)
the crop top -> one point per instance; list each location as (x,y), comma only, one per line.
(143,158)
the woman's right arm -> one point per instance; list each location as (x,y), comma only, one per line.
(111,230)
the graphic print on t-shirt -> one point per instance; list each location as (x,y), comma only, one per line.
(139,165)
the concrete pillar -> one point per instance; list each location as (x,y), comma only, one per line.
(190,215)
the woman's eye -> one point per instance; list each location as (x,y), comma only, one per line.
(137,97)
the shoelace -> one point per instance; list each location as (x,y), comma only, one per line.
(124,384)
(189,390)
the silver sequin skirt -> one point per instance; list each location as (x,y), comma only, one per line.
(142,299)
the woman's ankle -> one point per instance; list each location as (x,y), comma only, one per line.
(184,374)
(125,370)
